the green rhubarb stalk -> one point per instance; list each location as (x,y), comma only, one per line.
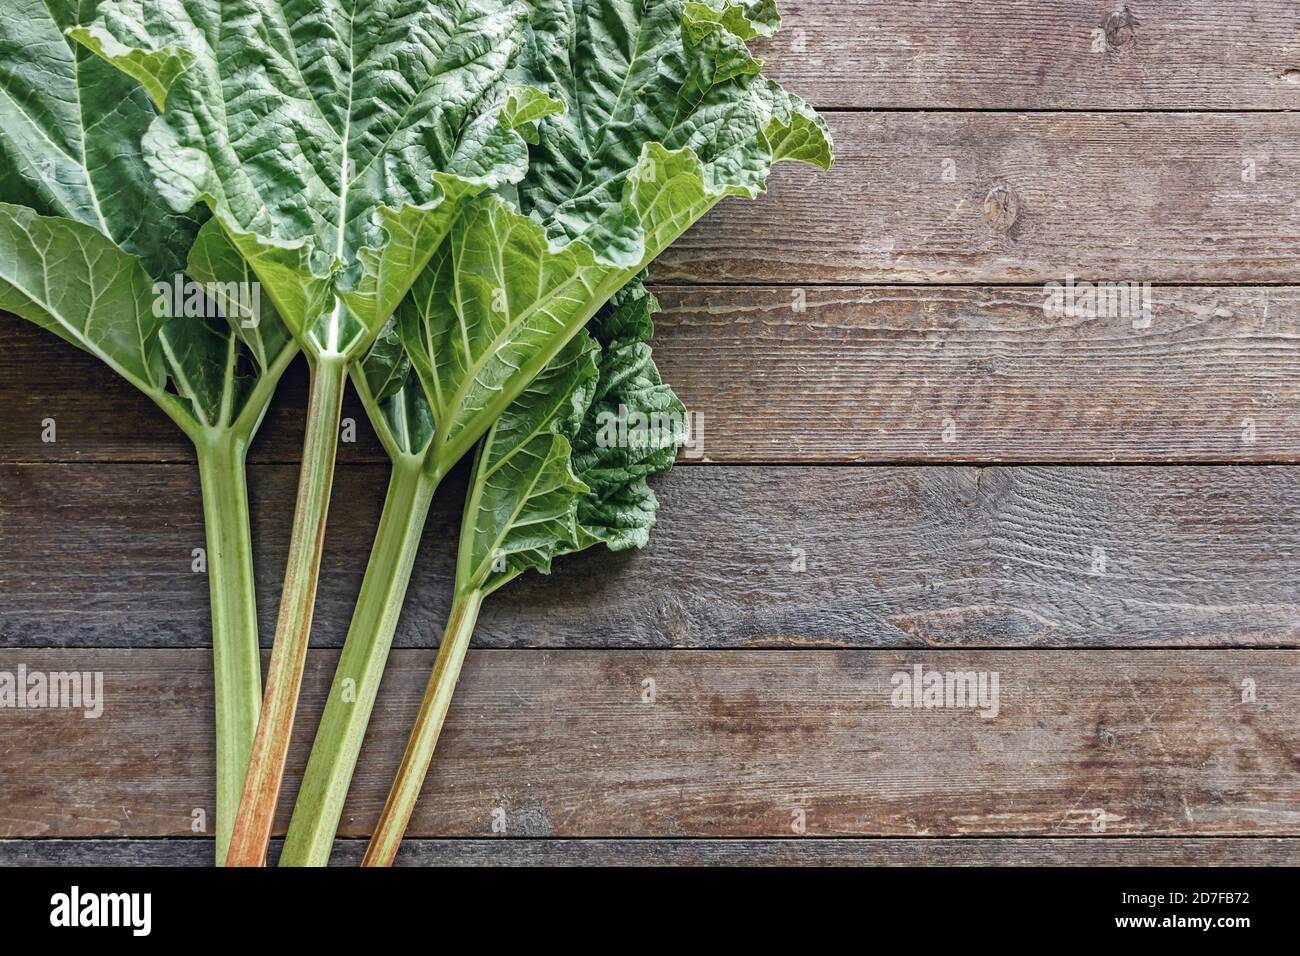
(236,655)
(236,661)
(252,829)
(222,446)
(424,736)
(361,665)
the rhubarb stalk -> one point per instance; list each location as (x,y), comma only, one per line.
(236,661)
(424,736)
(256,816)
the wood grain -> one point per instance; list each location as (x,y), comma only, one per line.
(854,374)
(1039,54)
(819,851)
(960,374)
(911,557)
(562,743)
(1034,197)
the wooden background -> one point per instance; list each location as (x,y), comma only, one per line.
(1113,524)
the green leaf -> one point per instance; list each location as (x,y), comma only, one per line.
(70,134)
(386,367)
(335,143)
(488,314)
(525,107)
(72,280)
(551,476)
(214,261)
(231,351)
(632,429)
(656,132)
(633,73)
(69,278)
(522,506)
(665,116)
(747,20)
(501,298)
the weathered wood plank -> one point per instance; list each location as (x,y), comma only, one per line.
(733,744)
(821,851)
(1044,54)
(742,557)
(1033,197)
(880,375)
(835,375)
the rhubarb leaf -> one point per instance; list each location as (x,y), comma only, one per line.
(676,74)
(632,429)
(74,281)
(522,507)
(70,133)
(207,368)
(523,510)
(334,142)
(663,120)
(564,467)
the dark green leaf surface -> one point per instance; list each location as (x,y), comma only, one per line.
(665,116)
(70,133)
(551,476)
(632,429)
(218,361)
(207,367)
(672,73)
(334,141)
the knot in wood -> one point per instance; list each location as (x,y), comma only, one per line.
(1002,208)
